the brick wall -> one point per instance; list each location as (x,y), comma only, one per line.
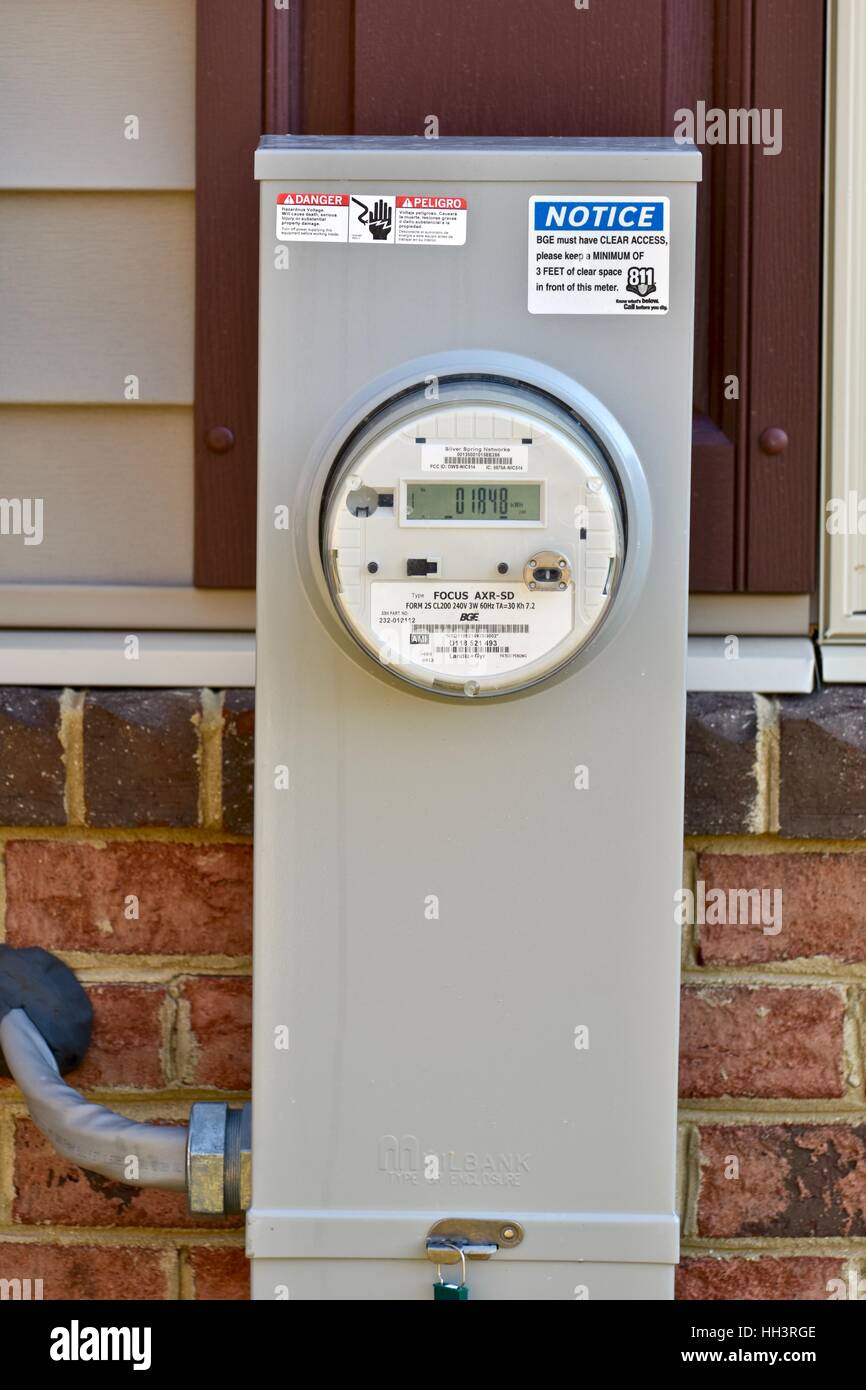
(773,1120)
(126,849)
(126,821)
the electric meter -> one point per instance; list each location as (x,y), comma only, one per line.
(473,544)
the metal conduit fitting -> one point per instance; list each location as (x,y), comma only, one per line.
(219,1158)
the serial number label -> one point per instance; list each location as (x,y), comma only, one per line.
(441,456)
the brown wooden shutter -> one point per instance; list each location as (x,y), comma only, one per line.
(501,67)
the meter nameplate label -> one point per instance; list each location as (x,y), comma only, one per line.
(474,456)
(599,255)
(312,216)
(383,219)
(466,629)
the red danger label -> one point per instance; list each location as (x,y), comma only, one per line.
(417,201)
(314,200)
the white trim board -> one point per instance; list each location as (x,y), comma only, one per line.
(768,665)
(843,591)
(173,659)
(843,663)
(775,665)
(750,615)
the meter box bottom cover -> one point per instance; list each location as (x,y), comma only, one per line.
(475,426)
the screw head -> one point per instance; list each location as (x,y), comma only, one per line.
(562,563)
(219,439)
(532,584)
(502,567)
(773,440)
(373,567)
(507,1233)
(562,586)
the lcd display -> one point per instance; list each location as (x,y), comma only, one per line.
(473,502)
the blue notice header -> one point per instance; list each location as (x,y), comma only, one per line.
(599,215)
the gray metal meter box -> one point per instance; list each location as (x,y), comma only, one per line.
(475,383)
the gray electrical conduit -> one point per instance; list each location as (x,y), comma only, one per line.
(88,1134)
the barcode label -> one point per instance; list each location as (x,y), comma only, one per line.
(458,649)
(439,456)
(469,630)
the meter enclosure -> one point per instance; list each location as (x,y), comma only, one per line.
(473,545)
(472,592)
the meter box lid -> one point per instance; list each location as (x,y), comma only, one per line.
(521,159)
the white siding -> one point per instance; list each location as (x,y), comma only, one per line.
(95,287)
(71,71)
(116,487)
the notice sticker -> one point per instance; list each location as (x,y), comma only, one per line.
(312,216)
(474,456)
(463,629)
(599,255)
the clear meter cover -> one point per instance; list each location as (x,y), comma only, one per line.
(473,544)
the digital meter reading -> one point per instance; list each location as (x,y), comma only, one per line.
(473,502)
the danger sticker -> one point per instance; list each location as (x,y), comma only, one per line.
(474,456)
(373,219)
(465,629)
(312,216)
(599,255)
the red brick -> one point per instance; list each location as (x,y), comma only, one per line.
(798,1279)
(721,730)
(823,907)
(238,760)
(141,757)
(794,1180)
(822,764)
(220,1273)
(90,1272)
(786,1043)
(32,774)
(51,1191)
(192,899)
(125,1046)
(218,1053)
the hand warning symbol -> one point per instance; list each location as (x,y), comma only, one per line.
(377,219)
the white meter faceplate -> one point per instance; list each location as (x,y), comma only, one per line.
(473,544)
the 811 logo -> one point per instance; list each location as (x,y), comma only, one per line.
(641,280)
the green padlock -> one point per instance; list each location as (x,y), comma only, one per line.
(452,1293)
